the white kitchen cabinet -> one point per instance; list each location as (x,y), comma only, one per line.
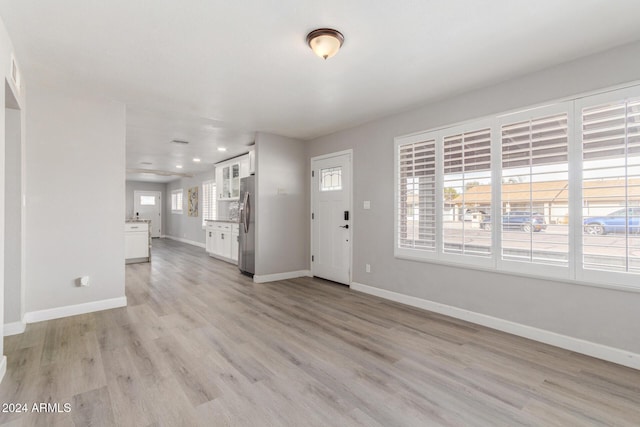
(136,241)
(252,162)
(220,240)
(228,176)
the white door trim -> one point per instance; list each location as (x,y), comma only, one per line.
(352,213)
(158,194)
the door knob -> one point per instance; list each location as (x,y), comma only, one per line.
(344,226)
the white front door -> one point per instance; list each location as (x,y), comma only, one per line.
(331,222)
(147,205)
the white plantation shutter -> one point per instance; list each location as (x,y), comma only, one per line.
(611,185)
(176,201)
(535,155)
(208,201)
(417,195)
(467,164)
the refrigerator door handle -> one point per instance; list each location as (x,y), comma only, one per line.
(247,212)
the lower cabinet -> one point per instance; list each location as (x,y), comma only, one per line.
(222,240)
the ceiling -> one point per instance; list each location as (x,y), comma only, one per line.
(214,72)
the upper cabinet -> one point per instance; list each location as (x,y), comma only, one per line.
(228,176)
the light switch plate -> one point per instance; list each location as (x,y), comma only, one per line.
(366,204)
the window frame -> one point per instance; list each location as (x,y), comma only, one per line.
(591,275)
(533,268)
(574,271)
(175,193)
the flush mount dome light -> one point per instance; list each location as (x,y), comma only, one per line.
(325,42)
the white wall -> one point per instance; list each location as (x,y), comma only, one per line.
(603,316)
(13,217)
(183,226)
(282,209)
(75,180)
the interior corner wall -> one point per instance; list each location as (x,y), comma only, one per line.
(603,316)
(282,221)
(182,226)
(75,181)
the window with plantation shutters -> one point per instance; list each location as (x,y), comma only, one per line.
(467,192)
(208,201)
(611,186)
(416,191)
(535,190)
(176,201)
(550,192)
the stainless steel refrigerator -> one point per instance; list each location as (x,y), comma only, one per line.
(247,237)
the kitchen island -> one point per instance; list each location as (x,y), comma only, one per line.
(137,240)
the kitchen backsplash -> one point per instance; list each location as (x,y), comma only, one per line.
(228,210)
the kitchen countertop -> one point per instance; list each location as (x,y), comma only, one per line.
(232,221)
(148,221)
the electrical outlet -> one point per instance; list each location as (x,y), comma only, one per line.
(367,268)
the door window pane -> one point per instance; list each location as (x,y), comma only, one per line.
(147,200)
(331,179)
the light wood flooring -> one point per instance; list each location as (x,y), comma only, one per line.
(200,344)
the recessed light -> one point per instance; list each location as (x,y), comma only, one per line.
(222,149)
(197,160)
(179,166)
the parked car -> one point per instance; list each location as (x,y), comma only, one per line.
(616,222)
(470,213)
(519,220)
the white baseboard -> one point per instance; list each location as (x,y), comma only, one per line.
(281,276)
(188,242)
(72,310)
(3,367)
(610,354)
(14,328)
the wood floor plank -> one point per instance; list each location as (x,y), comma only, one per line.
(201,344)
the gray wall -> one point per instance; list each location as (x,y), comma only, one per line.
(282,208)
(75,181)
(13,218)
(604,316)
(132,186)
(182,225)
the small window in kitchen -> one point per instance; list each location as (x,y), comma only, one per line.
(176,201)
(147,200)
(208,201)
(331,179)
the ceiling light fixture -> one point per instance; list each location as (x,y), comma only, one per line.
(179,166)
(197,160)
(179,141)
(325,42)
(222,149)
